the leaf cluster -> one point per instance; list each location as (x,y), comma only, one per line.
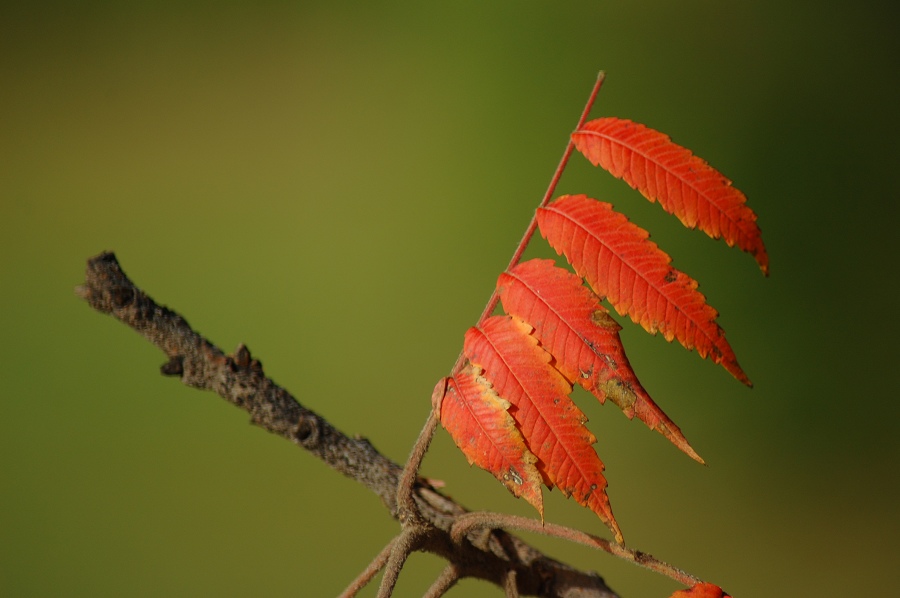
(507,403)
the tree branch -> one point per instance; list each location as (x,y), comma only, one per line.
(491,555)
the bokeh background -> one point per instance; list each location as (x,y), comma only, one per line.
(338,185)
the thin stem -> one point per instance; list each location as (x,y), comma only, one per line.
(404,545)
(446,580)
(407,512)
(532,226)
(509,584)
(469,521)
(369,572)
(406,507)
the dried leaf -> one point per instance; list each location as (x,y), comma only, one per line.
(481,426)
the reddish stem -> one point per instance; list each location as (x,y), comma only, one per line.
(485,520)
(532,226)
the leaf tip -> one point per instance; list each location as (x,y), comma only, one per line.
(620,539)
(738,373)
(693,455)
(674,435)
(724,356)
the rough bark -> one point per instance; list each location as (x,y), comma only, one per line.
(492,555)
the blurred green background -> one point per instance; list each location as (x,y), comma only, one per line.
(338,185)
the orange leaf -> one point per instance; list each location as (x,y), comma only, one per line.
(580,334)
(481,426)
(701,590)
(620,262)
(684,184)
(552,425)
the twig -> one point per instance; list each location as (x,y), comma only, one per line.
(369,572)
(411,539)
(413,524)
(446,580)
(406,508)
(493,556)
(465,524)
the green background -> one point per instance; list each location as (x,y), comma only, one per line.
(338,185)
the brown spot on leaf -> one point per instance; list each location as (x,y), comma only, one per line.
(516,477)
(601,318)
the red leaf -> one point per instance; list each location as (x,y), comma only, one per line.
(480,425)
(619,262)
(552,425)
(701,590)
(580,334)
(684,184)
